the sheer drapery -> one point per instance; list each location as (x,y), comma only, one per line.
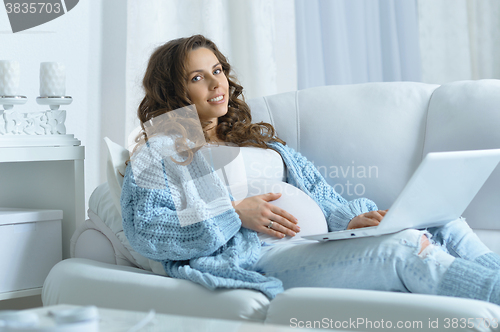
(258,38)
(356,41)
(284,45)
(460,39)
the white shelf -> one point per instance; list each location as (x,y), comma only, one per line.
(14,141)
(45,177)
(43,172)
(43,153)
(20,293)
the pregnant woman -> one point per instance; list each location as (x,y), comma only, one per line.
(241,228)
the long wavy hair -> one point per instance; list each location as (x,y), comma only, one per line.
(165,86)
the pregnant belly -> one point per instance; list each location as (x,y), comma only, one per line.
(293,200)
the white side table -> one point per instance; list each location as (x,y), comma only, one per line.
(45,177)
(112,320)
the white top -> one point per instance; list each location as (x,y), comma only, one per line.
(251,171)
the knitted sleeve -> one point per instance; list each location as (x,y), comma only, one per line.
(337,210)
(175,212)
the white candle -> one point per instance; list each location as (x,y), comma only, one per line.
(52,79)
(10,75)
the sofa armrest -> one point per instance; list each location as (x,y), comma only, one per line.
(362,310)
(81,281)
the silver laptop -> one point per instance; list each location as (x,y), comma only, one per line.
(438,192)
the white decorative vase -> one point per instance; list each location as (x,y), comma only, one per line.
(52,79)
(10,75)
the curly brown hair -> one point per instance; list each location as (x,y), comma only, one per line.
(165,85)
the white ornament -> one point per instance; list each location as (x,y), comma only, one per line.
(2,125)
(13,122)
(10,75)
(52,79)
(39,123)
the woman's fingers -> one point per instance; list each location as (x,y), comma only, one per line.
(256,213)
(279,230)
(287,219)
(270,196)
(271,227)
(374,215)
(371,222)
(382,212)
(367,222)
(364,220)
(284,223)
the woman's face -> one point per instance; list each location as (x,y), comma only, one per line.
(207,84)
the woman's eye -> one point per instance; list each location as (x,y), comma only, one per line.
(196,78)
(217,71)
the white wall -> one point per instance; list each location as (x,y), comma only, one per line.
(75,40)
(113,48)
(91,41)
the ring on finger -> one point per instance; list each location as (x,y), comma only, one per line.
(270,224)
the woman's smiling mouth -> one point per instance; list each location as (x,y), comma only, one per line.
(216,99)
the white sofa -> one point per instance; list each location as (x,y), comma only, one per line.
(367,140)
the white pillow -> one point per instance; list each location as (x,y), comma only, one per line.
(111,214)
(117,156)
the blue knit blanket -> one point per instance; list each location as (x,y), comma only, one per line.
(181,215)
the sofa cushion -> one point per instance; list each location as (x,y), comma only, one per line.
(465,116)
(106,218)
(89,242)
(80,281)
(365,139)
(343,309)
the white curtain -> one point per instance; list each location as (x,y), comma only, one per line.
(356,41)
(460,39)
(257,37)
(281,45)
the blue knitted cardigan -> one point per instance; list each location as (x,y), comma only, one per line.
(182,216)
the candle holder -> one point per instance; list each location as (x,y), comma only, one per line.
(8,102)
(10,75)
(54,101)
(45,128)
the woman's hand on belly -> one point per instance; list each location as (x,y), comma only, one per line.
(368,219)
(257,214)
